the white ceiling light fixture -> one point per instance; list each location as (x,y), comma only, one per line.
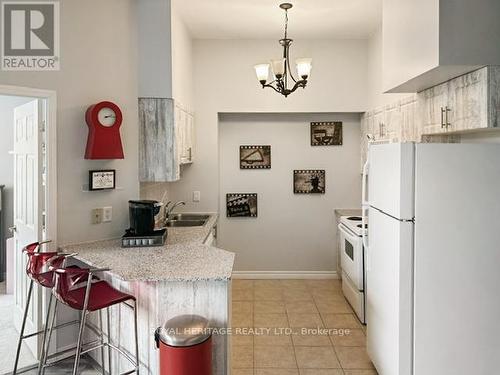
(281,70)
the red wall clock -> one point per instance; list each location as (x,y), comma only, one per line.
(104,142)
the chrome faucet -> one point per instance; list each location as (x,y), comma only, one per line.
(169,209)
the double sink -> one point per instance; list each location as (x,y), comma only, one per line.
(187,220)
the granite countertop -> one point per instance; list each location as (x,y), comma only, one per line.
(348,211)
(183,258)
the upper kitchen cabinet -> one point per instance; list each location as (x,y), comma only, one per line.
(165,139)
(184,126)
(165,81)
(396,122)
(466,103)
(428,42)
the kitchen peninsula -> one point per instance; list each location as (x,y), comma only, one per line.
(185,276)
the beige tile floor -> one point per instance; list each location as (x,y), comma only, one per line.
(295,327)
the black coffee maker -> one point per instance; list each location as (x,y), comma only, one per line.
(142,216)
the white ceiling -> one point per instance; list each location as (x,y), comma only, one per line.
(263,19)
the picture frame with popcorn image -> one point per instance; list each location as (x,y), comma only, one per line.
(311,181)
(255,157)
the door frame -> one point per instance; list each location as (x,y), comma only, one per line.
(51,146)
(50,97)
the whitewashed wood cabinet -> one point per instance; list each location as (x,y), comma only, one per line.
(391,124)
(395,122)
(185,133)
(409,129)
(466,103)
(166,132)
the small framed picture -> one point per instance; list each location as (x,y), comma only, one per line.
(255,157)
(326,133)
(309,181)
(102,179)
(241,205)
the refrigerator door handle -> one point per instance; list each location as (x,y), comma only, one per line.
(364,204)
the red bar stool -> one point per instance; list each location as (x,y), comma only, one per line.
(36,271)
(95,296)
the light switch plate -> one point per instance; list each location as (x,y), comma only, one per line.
(107,214)
(196,196)
(96,216)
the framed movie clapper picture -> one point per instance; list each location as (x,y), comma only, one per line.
(255,157)
(241,205)
(326,133)
(309,181)
(102,180)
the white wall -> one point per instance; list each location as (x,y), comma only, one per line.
(182,62)
(225,82)
(98,62)
(155,48)
(411,37)
(7,105)
(293,232)
(376,96)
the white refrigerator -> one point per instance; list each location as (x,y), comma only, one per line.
(433,258)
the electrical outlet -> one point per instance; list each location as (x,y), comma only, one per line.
(196,196)
(107,214)
(97,215)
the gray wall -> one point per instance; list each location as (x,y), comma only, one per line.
(7,105)
(293,232)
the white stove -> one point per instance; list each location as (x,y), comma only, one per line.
(352,262)
(354,224)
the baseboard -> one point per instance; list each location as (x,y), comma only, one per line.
(285,275)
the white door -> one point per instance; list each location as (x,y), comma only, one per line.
(389,293)
(28,195)
(457,304)
(390,179)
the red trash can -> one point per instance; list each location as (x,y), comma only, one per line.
(185,344)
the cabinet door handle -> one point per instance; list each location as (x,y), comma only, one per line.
(447,110)
(443,111)
(381,128)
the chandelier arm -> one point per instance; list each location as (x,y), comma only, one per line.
(271,86)
(301,83)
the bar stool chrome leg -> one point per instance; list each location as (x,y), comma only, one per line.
(108,323)
(23,325)
(49,337)
(101,337)
(82,326)
(44,351)
(136,339)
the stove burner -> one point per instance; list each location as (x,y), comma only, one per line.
(354,218)
(361,226)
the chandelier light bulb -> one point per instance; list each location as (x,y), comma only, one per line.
(262,72)
(278,68)
(304,66)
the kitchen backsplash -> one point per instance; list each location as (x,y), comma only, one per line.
(155,191)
